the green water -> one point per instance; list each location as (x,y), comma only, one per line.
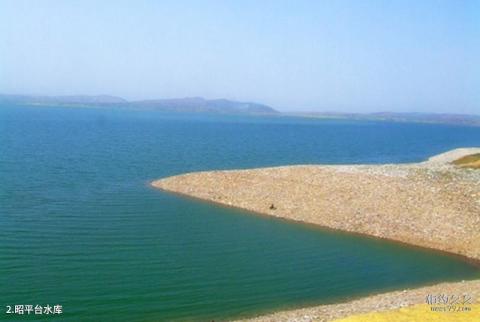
(80,226)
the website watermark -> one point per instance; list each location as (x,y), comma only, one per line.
(449,302)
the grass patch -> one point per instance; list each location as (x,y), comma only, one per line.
(469,161)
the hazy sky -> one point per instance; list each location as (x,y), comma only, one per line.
(354,55)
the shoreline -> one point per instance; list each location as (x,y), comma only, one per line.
(377,303)
(432,205)
(467,259)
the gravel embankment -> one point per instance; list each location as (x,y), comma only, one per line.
(431,204)
(377,303)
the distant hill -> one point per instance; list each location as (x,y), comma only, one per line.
(224,106)
(444,118)
(190,104)
(198,104)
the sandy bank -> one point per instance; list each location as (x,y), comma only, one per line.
(432,204)
(408,300)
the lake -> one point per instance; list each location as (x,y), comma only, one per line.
(81,227)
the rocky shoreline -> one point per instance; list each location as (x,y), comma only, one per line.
(432,204)
(379,303)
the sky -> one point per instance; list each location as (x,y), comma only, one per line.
(345,56)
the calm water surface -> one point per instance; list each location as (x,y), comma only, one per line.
(80,227)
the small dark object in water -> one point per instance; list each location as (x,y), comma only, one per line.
(272,207)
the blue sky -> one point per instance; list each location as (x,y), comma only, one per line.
(355,56)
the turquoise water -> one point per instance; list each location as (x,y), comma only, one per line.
(80,226)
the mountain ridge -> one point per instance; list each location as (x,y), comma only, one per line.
(225,106)
(187,104)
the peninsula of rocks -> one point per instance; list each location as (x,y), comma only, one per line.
(433,204)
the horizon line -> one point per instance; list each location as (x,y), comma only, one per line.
(280,110)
